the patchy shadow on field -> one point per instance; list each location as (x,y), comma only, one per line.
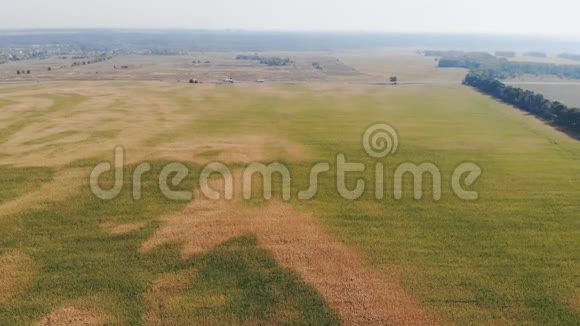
(235,283)
(360,294)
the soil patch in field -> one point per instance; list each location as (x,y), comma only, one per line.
(16,271)
(72,316)
(122,229)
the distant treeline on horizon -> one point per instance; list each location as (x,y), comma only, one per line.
(499,66)
(554,112)
(199,40)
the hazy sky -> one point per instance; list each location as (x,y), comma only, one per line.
(554,17)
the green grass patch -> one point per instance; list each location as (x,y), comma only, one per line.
(77,263)
(508,257)
(19,181)
(238,283)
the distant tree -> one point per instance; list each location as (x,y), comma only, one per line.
(49,69)
(28,72)
(18,72)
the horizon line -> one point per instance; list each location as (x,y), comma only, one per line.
(288,31)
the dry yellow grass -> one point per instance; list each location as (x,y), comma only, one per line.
(122,229)
(359,294)
(241,149)
(93,127)
(160,296)
(406,64)
(16,272)
(112,116)
(65,184)
(71,316)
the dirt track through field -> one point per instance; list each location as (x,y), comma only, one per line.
(360,294)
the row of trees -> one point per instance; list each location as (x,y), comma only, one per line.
(556,113)
(502,68)
(570,56)
(514,69)
(471,60)
(501,54)
(505,54)
(91,61)
(536,54)
(270,61)
(446,53)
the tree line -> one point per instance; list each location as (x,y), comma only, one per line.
(90,61)
(270,61)
(505,54)
(535,54)
(502,68)
(554,112)
(570,56)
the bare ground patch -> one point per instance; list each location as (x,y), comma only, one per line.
(358,293)
(122,229)
(16,271)
(72,316)
(575,302)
